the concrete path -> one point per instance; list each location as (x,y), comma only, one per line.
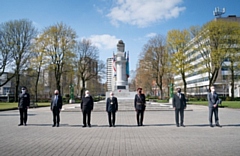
(159,136)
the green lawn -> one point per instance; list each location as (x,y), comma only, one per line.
(229,104)
(14,105)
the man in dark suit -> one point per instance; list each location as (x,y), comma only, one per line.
(56,106)
(23,105)
(213,102)
(140,105)
(87,107)
(179,104)
(111,108)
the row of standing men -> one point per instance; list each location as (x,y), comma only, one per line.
(178,102)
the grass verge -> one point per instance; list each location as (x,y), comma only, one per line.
(14,105)
(229,104)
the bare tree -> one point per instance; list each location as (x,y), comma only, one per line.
(87,63)
(156,55)
(6,56)
(19,36)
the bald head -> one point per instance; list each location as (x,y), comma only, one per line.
(56,92)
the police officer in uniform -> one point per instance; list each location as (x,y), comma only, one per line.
(23,105)
(111,108)
(140,105)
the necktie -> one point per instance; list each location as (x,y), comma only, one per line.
(55,100)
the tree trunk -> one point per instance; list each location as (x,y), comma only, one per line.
(36,86)
(17,86)
(83,87)
(232,83)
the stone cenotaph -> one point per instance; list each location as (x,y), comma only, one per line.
(121,74)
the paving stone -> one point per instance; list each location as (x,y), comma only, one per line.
(158,136)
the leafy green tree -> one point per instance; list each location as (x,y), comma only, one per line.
(177,41)
(232,42)
(215,41)
(58,43)
(38,61)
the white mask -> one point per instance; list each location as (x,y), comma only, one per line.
(23,91)
(213,90)
(87,95)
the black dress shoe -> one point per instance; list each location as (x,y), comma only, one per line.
(183,125)
(218,125)
(114,126)
(89,125)
(84,126)
(110,125)
(25,124)
(211,125)
(177,125)
(20,124)
(53,125)
(57,125)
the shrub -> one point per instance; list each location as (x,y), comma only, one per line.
(228,98)
(192,99)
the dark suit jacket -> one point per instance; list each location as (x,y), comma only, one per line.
(179,103)
(212,99)
(23,100)
(140,102)
(87,103)
(59,102)
(112,104)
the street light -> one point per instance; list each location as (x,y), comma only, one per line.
(71,93)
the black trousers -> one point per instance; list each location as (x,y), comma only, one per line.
(111,118)
(177,112)
(140,116)
(56,116)
(86,114)
(215,111)
(23,115)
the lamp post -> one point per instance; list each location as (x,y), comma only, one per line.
(71,93)
(170,92)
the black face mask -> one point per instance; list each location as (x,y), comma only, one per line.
(56,93)
(179,91)
(139,91)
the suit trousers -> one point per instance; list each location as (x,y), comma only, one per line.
(140,116)
(177,112)
(215,111)
(86,114)
(56,116)
(111,118)
(23,115)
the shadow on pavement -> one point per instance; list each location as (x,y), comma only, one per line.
(15,114)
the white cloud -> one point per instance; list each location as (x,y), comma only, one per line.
(104,41)
(142,13)
(151,35)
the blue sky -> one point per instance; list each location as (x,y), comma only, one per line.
(105,22)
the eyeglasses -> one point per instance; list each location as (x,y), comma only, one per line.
(23,89)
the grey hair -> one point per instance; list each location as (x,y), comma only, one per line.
(87,92)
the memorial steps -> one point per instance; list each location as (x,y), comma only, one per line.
(123,105)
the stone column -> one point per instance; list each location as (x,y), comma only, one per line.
(121,66)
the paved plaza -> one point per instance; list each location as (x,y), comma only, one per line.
(158,136)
